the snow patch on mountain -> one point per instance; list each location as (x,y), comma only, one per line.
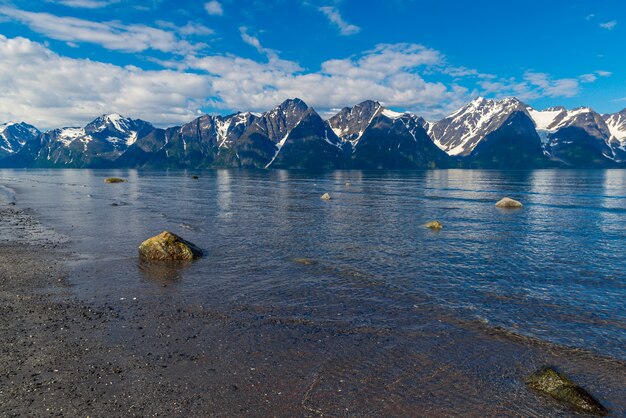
(391,114)
(555,118)
(68,135)
(617,126)
(222,126)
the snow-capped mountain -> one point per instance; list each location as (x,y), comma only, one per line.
(485,133)
(577,137)
(459,133)
(97,144)
(121,132)
(555,118)
(13,136)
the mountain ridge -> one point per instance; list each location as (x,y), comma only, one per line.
(484,133)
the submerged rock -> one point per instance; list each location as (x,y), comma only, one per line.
(168,247)
(561,388)
(433,225)
(508,203)
(114,180)
(305,261)
(325,196)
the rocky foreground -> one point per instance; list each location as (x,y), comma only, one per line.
(62,356)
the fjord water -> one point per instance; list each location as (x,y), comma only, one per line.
(552,272)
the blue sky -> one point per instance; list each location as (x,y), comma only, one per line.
(65,62)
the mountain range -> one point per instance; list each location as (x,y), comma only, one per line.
(504,134)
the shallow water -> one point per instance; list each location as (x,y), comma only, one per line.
(554,271)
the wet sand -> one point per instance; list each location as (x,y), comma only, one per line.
(60,356)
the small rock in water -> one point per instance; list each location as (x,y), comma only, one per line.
(114,180)
(11,203)
(168,247)
(325,196)
(508,203)
(557,385)
(433,225)
(195,177)
(304,261)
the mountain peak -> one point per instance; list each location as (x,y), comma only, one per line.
(294,104)
(459,133)
(350,123)
(505,101)
(369,104)
(479,100)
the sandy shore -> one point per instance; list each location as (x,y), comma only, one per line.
(60,356)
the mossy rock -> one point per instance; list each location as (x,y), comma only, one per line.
(508,203)
(168,247)
(325,196)
(561,388)
(114,180)
(433,225)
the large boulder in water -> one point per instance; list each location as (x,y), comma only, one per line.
(114,180)
(168,247)
(508,203)
(558,386)
(433,225)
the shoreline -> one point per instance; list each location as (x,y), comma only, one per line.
(63,356)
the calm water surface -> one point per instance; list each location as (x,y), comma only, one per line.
(554,271)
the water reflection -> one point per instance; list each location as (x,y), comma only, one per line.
(162,273)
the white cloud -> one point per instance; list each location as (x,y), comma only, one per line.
(252,40)
(609,25)
(87,4)
(49,90)
(192,28)
(335,18)
(534,85)
(588,78)
(111,35)
(593,77)
(189,29)
(544,86)
(388,73)
(214,8)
